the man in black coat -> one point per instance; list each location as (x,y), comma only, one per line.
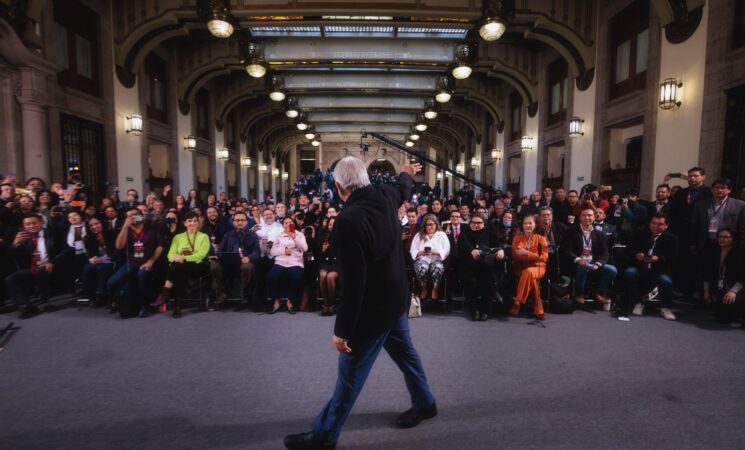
(35,254)
(372,312)
(652,253)
(708,217)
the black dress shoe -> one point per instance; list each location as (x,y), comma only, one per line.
(307,441)
(484,317)
(274,311)
(412,417)
(28,312)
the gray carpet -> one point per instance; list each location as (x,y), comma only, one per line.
(81,379)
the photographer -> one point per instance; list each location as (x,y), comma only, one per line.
(142,245)
(633,216)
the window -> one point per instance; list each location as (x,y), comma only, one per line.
(75,46)
(738,37)
(629,40)
(558,91)
(516,116)
(155,88)
(202,100)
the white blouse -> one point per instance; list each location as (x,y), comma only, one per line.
(438,242)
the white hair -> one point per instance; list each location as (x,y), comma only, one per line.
(351,173)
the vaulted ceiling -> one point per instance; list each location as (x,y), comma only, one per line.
(348,66)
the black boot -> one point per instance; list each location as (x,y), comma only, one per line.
(165,294)
(177,308)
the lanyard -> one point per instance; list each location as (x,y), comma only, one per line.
(715,211)
(138,236)
(191,242)
(587,238)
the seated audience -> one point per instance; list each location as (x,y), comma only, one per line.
(187,257)
(100,250)
(328,272)
(652,253)
(244,243)
(477,258)
(285,278)
(34,255)
(142,245)
(529,256)
(724,277)
(587,251)
(429,250)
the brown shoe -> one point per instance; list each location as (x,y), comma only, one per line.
(580,299)
(538,309)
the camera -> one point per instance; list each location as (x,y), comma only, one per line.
(137,218)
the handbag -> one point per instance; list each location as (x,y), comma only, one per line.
(415,307)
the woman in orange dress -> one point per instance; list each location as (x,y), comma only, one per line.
(529,256)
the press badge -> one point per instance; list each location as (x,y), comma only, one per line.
(713,226)
(720,284)
(186,251)
(139,248)
(570,219)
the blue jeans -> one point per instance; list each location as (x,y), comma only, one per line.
(95,277)
(606,272)
(633,280)
(355,367)
(142,281)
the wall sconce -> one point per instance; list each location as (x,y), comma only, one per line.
(438,176)
(315,142)
(275,172)
(134,124)
(460,168)
(496,154)
(448,174)
(222,154)
(285,175)
(526,144)
(246,162)
(475,162)
(190,143)
(575,127)
(262,168)
(669,93)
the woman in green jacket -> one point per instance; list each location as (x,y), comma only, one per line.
(187,259)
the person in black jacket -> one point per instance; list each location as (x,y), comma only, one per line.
(372,312)
(652,254)
(245,243)
(724,277)
(477,258)
(587,251)
(35,254)
(328,269)
(100,252)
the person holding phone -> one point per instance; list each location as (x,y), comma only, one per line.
(429,250)
(285,278)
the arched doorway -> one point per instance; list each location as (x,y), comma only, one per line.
(382,167)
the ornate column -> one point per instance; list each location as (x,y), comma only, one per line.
(32,97)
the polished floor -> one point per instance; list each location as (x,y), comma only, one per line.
(81,379)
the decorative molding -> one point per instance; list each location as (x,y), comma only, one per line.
(533,109)
(584,80)
(500,127)
(184,107)
(126,78)
(685,22)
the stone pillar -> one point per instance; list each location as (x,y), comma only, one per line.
(244,171)
(259,177)
(500,163)
(33,100)
(220,179)
(272,166)
(282,184)
(183,177)
(529,178)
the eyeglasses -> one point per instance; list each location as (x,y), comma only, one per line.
(239,220)
(477,223)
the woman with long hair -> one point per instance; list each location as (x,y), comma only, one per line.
(529,256)
(429,250)
(100,250)
(286,275)
(328,273)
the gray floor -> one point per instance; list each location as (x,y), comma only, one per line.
(81,379)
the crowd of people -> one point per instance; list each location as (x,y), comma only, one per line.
(568,249)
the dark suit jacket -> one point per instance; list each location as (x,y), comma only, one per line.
(734,219)
(680,211)
(367,237)
(652,208)
(248,241)
(666,249)
(733,270)
(573,245)
(21,254)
